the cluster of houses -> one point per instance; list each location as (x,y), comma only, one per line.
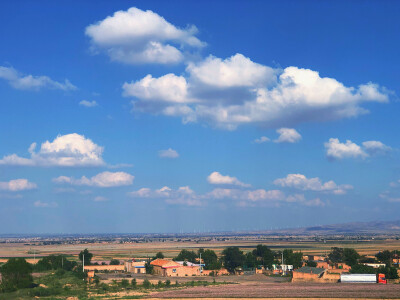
(322,272)
(163,267)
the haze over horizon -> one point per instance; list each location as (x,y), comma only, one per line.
(147,116)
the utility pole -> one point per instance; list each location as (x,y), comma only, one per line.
(83,262)
(201,271)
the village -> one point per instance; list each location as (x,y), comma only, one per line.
(203,268)
(340,265)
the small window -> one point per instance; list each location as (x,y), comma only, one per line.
(173,270)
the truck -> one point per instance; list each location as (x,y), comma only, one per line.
(363,278)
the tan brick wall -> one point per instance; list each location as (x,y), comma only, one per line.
(182,271)
(106,267)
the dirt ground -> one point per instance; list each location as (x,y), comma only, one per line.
(287,290)
(251,279)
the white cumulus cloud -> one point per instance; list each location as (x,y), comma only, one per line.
(288,135)
(29,82)
(66,151)
(218,178)
(136,36)
(301,182)
(169,153)
(336,150)
(17,185)
(227,93)
(376,147)
(235,71)
(261,140)
(182,196)
(104,180)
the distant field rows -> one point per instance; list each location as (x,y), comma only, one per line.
(171,249)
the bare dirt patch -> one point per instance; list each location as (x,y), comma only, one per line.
(287,290)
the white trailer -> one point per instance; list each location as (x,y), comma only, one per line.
(361,278)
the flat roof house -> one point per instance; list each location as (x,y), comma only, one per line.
(136,267)
(307,274)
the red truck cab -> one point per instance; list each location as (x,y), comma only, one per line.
(382,278)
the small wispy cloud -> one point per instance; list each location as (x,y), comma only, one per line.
(87,103)
(29,82)
(169,153)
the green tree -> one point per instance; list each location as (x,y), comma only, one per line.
(362,269)
(88,256)
(186,255)
(16,273)
(293,258)
(390,272)
(232,257)
(148,267)
(310,263)
(350,256)
(159,255)
(385,257)
(336,255)
(54,262)
(114,262)
(265,254)
(250,260)
(210,260)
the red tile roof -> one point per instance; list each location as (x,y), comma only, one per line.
(162,262)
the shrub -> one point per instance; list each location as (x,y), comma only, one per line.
(134,283)
(167,283)
(124,283)
(16,274)
(146,284)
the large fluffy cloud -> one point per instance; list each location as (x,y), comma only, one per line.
(66,150)
(30,82)
(17,185)
(335,150)
(301,182)
(218,178)
(236,91)
(104,180)
(235,71)
(136,36)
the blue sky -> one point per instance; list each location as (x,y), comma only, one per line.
(155,116)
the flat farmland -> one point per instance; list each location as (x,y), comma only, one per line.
(171,248)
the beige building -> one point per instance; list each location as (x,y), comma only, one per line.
(169,268)
(136,267)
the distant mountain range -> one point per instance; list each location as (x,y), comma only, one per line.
(375,227)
